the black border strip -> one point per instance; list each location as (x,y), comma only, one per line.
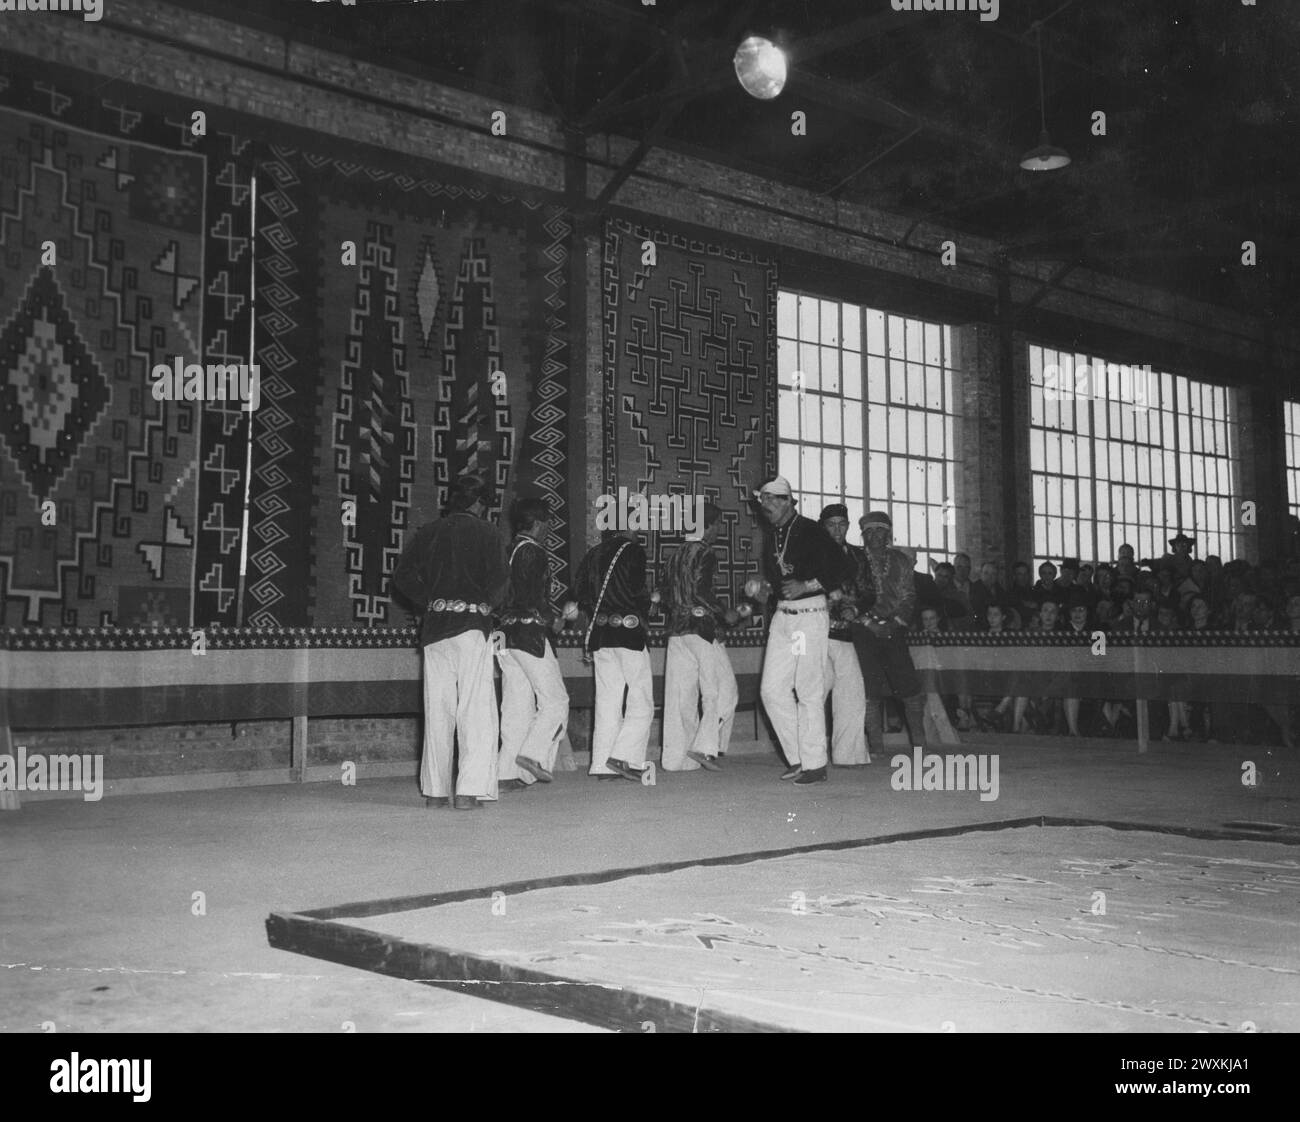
(605,876)
(604,1004)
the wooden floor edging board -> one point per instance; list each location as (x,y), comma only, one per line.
(317,934)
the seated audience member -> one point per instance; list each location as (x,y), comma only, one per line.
(1103,582)
(1103,617)
(1069,578)
(930,620)
(1046,585)
(924,584)
(1078,624)
(1139,621)
(985,591)
(1049,619)
(1180,559)
(1196,583)
(1263,618)
(1166,589)
(1122,598)
(961,581)
(1020,597)
(1166,618)
(950,605)
(1293,612)
(1124,553)
(1191,719)
(1088,582)
(995,623)
(1242,611)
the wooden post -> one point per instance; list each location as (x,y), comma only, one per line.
(937,714)
(9,800)
(298,748)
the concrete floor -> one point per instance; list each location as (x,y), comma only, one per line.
(97,923)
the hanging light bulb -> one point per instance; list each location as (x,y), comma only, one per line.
(1044,156)
(761,67)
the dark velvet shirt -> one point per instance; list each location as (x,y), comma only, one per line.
(810,553)
(845,610)
(689,600)
(457,558)
(893,598)
(626,596)
(526,614)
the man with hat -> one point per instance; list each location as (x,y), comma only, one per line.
(611,589)
(454,570)
(801,564)
(843,674)
(1181,557)
(880,632)
(1069,576)
(697,670)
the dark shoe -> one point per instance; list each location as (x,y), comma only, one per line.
(431,803)
(467,802)
(875,726)
(815,775)
(534,769)
(706,762)
(626,770)
(513,785)
(792,772)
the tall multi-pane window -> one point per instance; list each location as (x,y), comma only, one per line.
(868,416)
(1124,454)
(1291,418)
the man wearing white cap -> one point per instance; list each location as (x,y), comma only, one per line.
(800,562)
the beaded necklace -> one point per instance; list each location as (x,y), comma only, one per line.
(782,542)
(878,569)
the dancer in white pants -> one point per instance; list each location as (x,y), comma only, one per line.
(801,560)
(611,589)
(534,715)
(700,692)
(621,734)
(534,702)
(698,678)
(455,570)
(843,671)
(459,701)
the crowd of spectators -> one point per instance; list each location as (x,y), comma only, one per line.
(1175,592)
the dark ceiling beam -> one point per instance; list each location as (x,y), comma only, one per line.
(627,167)
(1056,278)
(1029,246)
(667,115)
(634,15)
(876,157)
(878,110)
(609,106)
(957,204)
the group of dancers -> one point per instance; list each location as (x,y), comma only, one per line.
(839,621)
